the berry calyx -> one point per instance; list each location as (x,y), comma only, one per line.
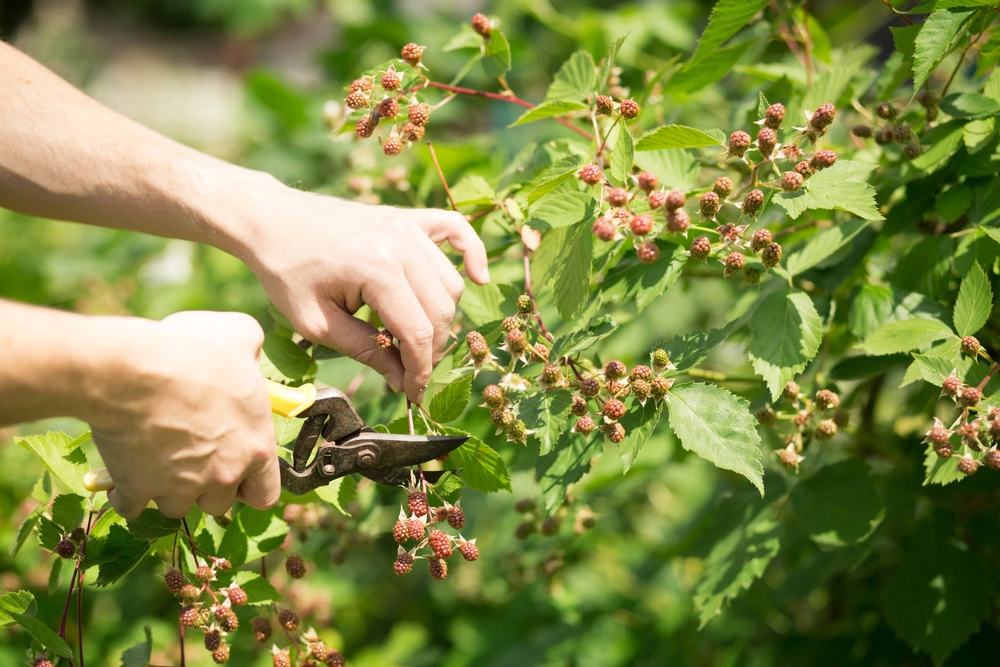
(791,181)
(970,345)
(591,174)
(678,221)
(412,53)
(65,548)
(700,248)
(752,203)
(733,263)
(641,224)
(723,186)
(647,181)
(774,116)
(418,113)
(604,105)
(739,142)
(482,25)
(771,255)
(403,564)
(417,503)
(709,204)
(629,108)
(648,252)
(295,566)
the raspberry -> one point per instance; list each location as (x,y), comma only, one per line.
(364,128)
(237,596)
(739,142)
(970,345)
(474,336)
(805,169)
(469,551)
(483,26)
(617,196)
(78,535)
(383,340)
(753,202)
(335,659)
(510,323)
(709,204)
(640,389)
(65,548)
(280,658)
(791,152)
(883,136)
(950,386)
(967,465)
(614,409)
(648,252)
(591,174)
(790,392)
(517,431)
(493,396)
(861,131)
(479,352)
(403,564)
(641,224)
(615,432)
(175,581)
(579,407)
(885,110)
(675,199)
(524,505)
(604,105)
(501,419)
(944,450)
(413,132)
(823,116)
(400,532)
(438,567)
(226,618)
(541,351)
(615,370)
(590,387)
(415,529)
(734,262)
(767,139)
(584,425)
(791,181)
(800,418)
(790,458)
(42,662)
(752,275)
(288,619)
(629,108)
(551,526)
(418,113)
(364,85)
(213,640)
(618,388)
(320,651)
(356,100)
(261,629)
(825,429)
(771,255)
(700,248)
(621,215)
(189,593)
(392,145)
(204,574)
(551,374)
(823,159)
(774,115)
(221,655)
(938,435)
(440,544)
(970,433)
(723,186)
(911,151)
(766,416)
(678,221)
(647,181)
(517,343)
(412,53)
(658,388)
(826,399)
(760,240)
(417,503)
(660,358)
(456,517)
(389,80)
(295,567)
(642,372)
(992,459)
(190,616)
(657,199)
(970,396)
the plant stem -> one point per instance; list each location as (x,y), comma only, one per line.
(444,182)
(716,376)
(181,627)
(531,293)
(992,371)
(896,12)
(798,228)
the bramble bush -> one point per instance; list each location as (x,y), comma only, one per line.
(851,207)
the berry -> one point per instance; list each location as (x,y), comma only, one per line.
(213,640)
(752,275)
(417,502)
(281,659)
(766,416)
(648,252)
(175,580)
(951,385)
(295,567)
(823,159)
(469,551)
(221,655)
(760,240)
(541,350)
(493,396)
(826,429)
(261,629)
(657,199)
(615,370)
(418,113)
(403,564)
(412,53)
(790,392)
(204,574)
(415,529)
(826,399)
(617,196)
(658,388)
(861,131)
(641,372)
(944,450)
(400,532)
(591,174)
(517,431)
(621,215)
(640,389)
(78,535)
(510,323)
(767,139)
(647,181)
(615,432)
(440,544)
(456,517)
(970,432)
(364,128)
(911,151)
(709,204)
(614,409)
(700,248)
(660,359)
(501,419)
(791,181)
(590,387)
(678,221)
(356,100)
(479,352)
(967,465)
(383,340)
(584,425)
(800,418)
(190,616)
(723,186)
(363,85)
(970,345)
(734,262)
(482,25)
(938,435)
(413,132)
(237,596)
(579,407)
(551,374)
(438,567)
(392,145)
(629,108)
(41,662)
(335,659)
(823,116)
(992,459)
(804,169)
(618,388)
(65,548)
(753,202)
(774,115)
(970,396)
(771,255)
(790,458)
(926,98)
(226,618)
(189,593)
(675,200)
(524,505)
(885,110)
(739,142)
(288,619)
(551,526)
(389,80)
(791,152)
(641,224)
(604,105)
(883,136)
(517,343)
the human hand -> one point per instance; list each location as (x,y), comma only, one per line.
(186,418)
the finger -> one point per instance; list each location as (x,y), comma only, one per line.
(435,299)
(127,505)
(355,338)
(237,331)
(174,507)
(217,501)
(446,271)
(453,227)
(261,488)
(400,310)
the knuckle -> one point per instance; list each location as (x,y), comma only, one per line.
(422,336)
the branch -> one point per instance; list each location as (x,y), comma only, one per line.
(896,12)
(531,293)
(444,182)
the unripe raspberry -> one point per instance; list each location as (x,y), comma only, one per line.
(640,389)
(415,529)
(590,387)
(791,152)
(658,388)
(288,619)
(641,224)
(541,351)
(501,419)
(364,128)
(474,336)
(551,374)
(403,564)
(790,458)
(295,567)
(483,26)
(41,662)
(418,113)
(320,651)
(911,151)
(883,136)
(970,345)
(617,196)
(412,132)
(615,370)
(642,372)
(825,429)
(614,409)
(995,429)
(456,517)
(926,98)
(629,108)
(967,465)
(261,629)
(767,139)
(969,432)
(190,617)
(65,548)
(591,174)
(189,593)
(791,181)
(493,396)
(78,535)
(938,435)
(517,431)
(647,181)
(774,115)
(356,100)
(479,351)
(739,142)
(335,659)
(226,619)
(823,116)
(661,360)
(615,432)
(790,392)
(709,204)
(992,459)
(400,531)
(753,202)
(517,343)
(861,131)
(389,80)
(678,221)
(675,199)
(970,396)
(950,386)
(826,399)
(648,252)
(437,567)
(805,169)
(766,416)
(412,53)
(281,659)
(392,145)
(823,159)
(760,240)
(221,655)
(237,596)
(723,186)
(700,248)
(657,199)
(885,111)
(213,640)
(618,388)
(621,215)
(175,580)
(944,450)
(511,323)
(383,340)
(771,255)
(440,544)
(579,407)
(417,503)
(605,105)
(364,85)
(204,574)
(584,425)
(734,262)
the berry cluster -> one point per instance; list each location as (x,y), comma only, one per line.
(583,519)
(817,418)
(890,126)
(424,525)
(382,103)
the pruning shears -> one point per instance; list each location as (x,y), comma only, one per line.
(349,444)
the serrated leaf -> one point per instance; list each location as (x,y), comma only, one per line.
(943,141)
(567,464)
(970,105)
(23,532)
(838,505)
(283,361)
(690,349)
(876,305)
(786,332)
(49,533)
(609,63)
(727,18)
(574,80)
(823,245)
(622,159)
(265,531)
(680,136)
(717,426)
(762,105)
(938,470)
(67,511)
(563,208)
(632,281)
(974,303)
(639,422)
(578,341)
(330,494)
(938,33)
(573,274)
(934,369)
(496,55)
(561,171)
(448,404)
(977,134)
(548,110)
(674,167)
(692,77)
(482,468)
(546,413)
(259,590)
(473,190)
(139,655)
(126,552)
(484,304)
(17,602)
(905,335)
(151,525)
(62,456)
(843,187)
(44,635)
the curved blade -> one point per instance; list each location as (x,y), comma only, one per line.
(402,476)
(403,451)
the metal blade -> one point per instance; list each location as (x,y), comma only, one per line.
(401,476)
(403,451)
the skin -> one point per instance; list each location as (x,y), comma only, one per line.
(178,408)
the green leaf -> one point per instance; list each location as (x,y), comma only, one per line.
(876,305)
(449,403)
(785,332)
(567,464)
(482,468)
(563,208)
(970,105)
(496,55)
(622,159)
(838,506)
(151,525)
(632,281)
(974,303)
(639,421)
(905,335)
(925,266)
(330,494)
(954,202)
(578,341)
(467,38)
(843,187)
(563,170)
(674,167)
(690,349)
(938,595)
(61,454)
(937,35)
(977,134)
(692,77)
(126,551)
(43,634)
(574,80)
(283,361)
(485,304)
(573,274)
(938,470)
(548,110)
(934,368)
(944,141)
(139,655)
(67,511)
(49,533)
(16,602)
(546,413)
(265,531)
(823,245)
(23,532)
(259,590)
(680,136)
(726,19)
(717,426)
(608,63)
(473,190)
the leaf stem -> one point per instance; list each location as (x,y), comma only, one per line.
(531,294)
(444,182)
(992,371)
(716,376)
(896,12)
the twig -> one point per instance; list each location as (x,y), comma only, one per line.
(444,182)
(409,419)
(896,12)
(263,567)
(531,294)
(961,61)
(181,627)
(996,367)
(355,384)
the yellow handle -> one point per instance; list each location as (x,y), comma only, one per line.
(285,401)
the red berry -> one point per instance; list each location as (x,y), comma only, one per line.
(614,409)
(641,373)
(175,580)
(295,567)
(739,142)
(226,618)
(767,139)
(456,517)
(951,385)
(383,340)
(804,169)
(493,396)
(591,174)
(415,529)
(790,392)
(617,196)
(774,116)
(640,389)
(823,159)
(482,25)
(967,465)
(771,255)
(641,224)
(335,659)
(826,429)
(438,567)
(678,221)
(364,128)
(261,629)
(221,655)
(734,262)
(590,387)
(412,132)
(579,407)
(938,435)
(629,108)
(970,345)
(723,186)
(760,240)
(356,100)
(584,425)
(944,450)
(992,459)
(791,152)
(970,396)
(604,105)
(281,659)
(440,544)
(791,181)
(826,399)
(65,548)
(753,202)
(790,458)
(412,53)
(190,616)
(700,248)
(417,503)
(288,619)
(675,199)
(364,85)
(657,199)
(615,370)
(42,662)
(615,432)
(709,204)
(469,551)
(403,564)
(389,80)
(400,531)
(418,113)
(237,596)
(647,181)
(213,640)
(823,116)
(189,593)
(204,574)
(392,145)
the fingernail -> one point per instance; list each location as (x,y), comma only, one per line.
(394,383)
(486,275)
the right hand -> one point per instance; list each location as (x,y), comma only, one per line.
(188,418)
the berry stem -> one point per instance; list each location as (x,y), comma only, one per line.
(79,587)
(992,371)
(355,384)
(181,626)
(444,182)
(896,12)
(263,567)
(531,293)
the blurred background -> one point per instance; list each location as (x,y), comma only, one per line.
(252,81)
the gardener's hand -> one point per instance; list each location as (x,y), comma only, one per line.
(185,417)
